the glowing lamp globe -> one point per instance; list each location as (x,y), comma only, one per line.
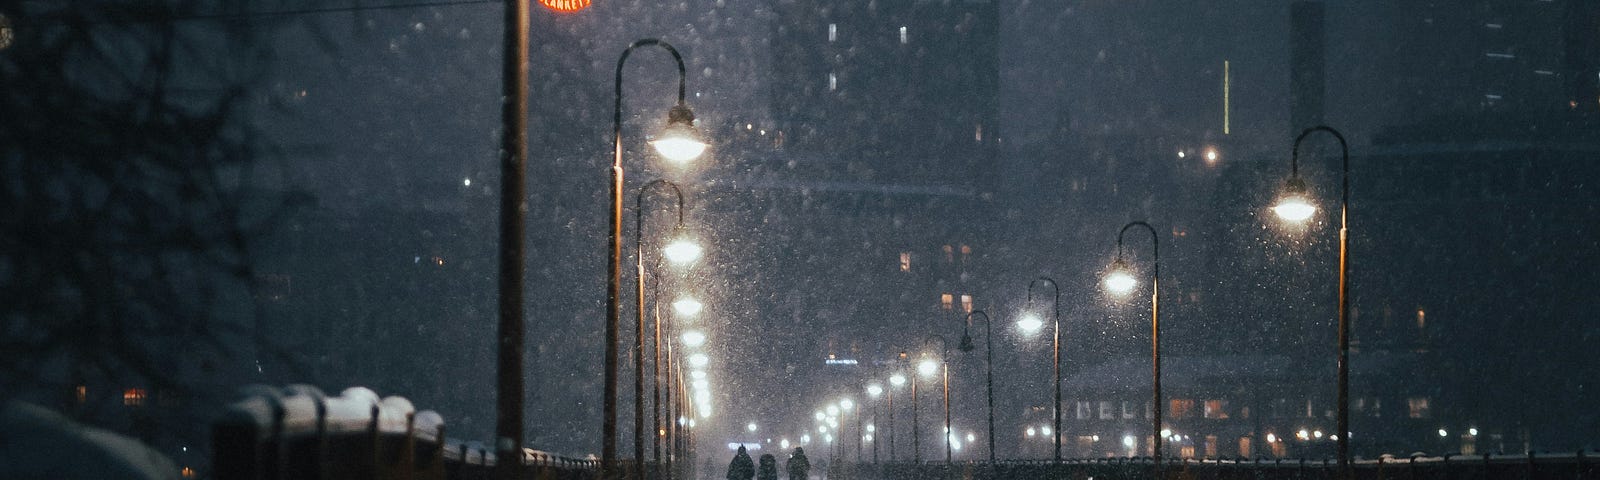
(1120,281)
(1030,324)
(687,307)
(679,142)
(693,338)
(874,390)
(1295,205)
(897,379)
(927,367)
(682,251)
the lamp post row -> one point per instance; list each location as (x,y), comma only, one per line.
(509,384)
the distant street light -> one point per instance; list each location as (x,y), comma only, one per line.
(988,365)
(897,379)
(693,338)
(1121,282)
(638,346)
(874,390)
(682,251)
(1296,206)
(687,307)
(943,367)
(1055,347)
(681,119)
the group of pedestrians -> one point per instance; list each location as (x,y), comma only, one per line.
(741,468)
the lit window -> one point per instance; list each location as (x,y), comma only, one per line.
(905,261)
(966,303)
(1127,410)
(1107,411)
(1084,411)
(1419,407)
(833,81)
(949,254)
(905,36)
(1217,409)
(1180,408)
(945,301)
(977,133)
(82,393)
(833,32)
(133,397)
(1422,319)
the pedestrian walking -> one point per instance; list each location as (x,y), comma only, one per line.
(799,467)
(741,468)
(768,469)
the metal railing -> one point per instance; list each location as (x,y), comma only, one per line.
(1528,466)
(297,433)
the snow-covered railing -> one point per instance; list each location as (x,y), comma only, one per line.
(298,432)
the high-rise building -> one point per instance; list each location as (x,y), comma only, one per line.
(1499,56)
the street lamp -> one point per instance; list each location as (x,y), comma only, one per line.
(679,116)
(988,364)
(850,405)
(895,380)
(1055,346)
(681,257)
(1296,206)
(928,368)
(513,216)
(874,390)
(1120,281)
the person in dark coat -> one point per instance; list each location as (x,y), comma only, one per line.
(741,468)
(799,467)
(768,469)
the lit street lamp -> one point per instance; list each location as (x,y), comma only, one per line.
(988,364)
(638,357)
(896,380)
(1296,206)
(874,390)
(681,119)
(1120,281)
(1031,322)
(927,368)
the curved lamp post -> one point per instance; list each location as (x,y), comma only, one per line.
(1055,347)
(897,379)
(679,252)
(680,121)
(1120,281)
(873,391)
(943,368)
(988,364)
(1296,206)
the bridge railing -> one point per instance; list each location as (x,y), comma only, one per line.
(1529,466)
(297,432)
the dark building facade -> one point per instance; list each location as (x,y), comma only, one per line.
(1497,56)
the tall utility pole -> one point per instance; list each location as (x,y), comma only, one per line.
(513,198)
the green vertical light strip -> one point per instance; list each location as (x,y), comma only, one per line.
(1227,80)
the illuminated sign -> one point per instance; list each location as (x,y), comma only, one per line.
(840,361)
(565,6)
